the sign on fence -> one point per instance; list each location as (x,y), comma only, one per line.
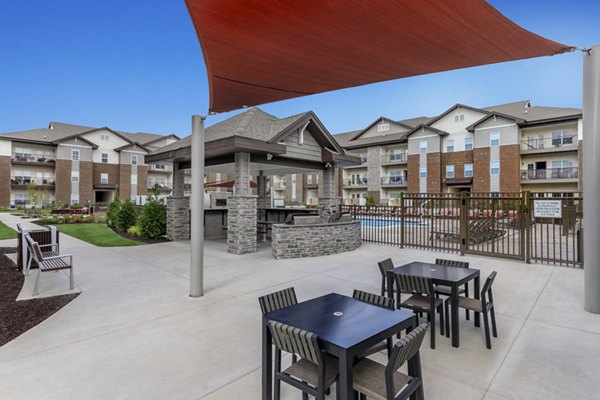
(547,208)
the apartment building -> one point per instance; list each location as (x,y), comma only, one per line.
(74,164)
(506,148)
(296,189)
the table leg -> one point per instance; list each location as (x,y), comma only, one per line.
(267,364)
(454,318)
(345,382)
(477,296)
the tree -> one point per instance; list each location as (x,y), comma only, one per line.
(35,195)
(153,219)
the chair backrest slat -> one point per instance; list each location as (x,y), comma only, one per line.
(374,299)
(487,287)
(385,266)
(414,284)
(452,263)
(34,248)
(295,341)
(277,300)
(407,347)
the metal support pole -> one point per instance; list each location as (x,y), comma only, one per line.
(591,179)
(197,209)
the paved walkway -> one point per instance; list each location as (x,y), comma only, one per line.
(134,333)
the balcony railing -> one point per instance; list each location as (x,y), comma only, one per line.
(548,143)
(33,158)
(393,181)
(356,183)
(396,158)
(551,173)
(25,180)
(159,168)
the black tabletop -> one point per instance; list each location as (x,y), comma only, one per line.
(439,273)
(359,321)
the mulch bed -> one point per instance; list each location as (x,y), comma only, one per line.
(18,317)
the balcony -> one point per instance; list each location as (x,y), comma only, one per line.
(160,186)
(555,175)
(311,185)
(393,181)
(35,159)
(394,158)
(363,162)
(21,182)
(279,185)
(549,145)
(355,183)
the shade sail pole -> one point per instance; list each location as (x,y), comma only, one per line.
(197,209)
(591,178)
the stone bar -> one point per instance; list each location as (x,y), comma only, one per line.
(263,200)
(178,218)
(328,203)
(241,224)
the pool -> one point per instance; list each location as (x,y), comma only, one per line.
(383,222)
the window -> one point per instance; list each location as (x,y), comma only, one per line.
(134,179)
(469,143)
(75,155)
(450,145)
(423,147)
(423,173)
(363,158)
(317,178)
(134,160)
(104,137)
(293,187)
(468,170)
(104,158)
(494,168)
(21,199)
(383,127)
(162,167)
(74,198)
(396,177)
(494,139)
(74,176)
(103,178)
(562,137)
(459,118)
(22,177)
(450,171)
(309,179)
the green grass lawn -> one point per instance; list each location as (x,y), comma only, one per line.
(6,232)
(96,234)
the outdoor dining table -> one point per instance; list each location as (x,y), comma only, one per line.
(454,277)
(346,327)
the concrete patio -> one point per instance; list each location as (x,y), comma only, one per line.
(134,333)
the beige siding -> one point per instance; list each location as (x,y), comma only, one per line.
(309,150)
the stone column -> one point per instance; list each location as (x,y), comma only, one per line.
(242,174)
(178,218)
(328,203)
(241,224)
(178,180)
(262,201)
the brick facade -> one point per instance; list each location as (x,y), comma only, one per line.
(510,168)
(142,186)
(413,175)
(111,169)
(62,191)
(86,188)
(124,181)
(458,159)
(481,169)
(5,181)
(434,181)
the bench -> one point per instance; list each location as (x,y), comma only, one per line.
(48,261)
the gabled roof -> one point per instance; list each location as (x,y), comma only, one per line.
(536,114)
(377,121)
(471,128)
(454,107)
(426,127)
(412,122)
(134,144)
(344,138)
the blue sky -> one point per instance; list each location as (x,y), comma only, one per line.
(136,65)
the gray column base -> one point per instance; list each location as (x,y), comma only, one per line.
(241,224)
(328,206)
(178,218)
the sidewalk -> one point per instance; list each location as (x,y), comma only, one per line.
(134,333)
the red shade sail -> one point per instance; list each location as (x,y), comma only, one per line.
(259,51)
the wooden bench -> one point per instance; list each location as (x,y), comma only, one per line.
(49,261)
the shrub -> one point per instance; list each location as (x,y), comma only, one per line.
(66,219)
(153,220)
(127,216)
(112,214)
(77,218)
(88,219)
(98,219)
(134,230)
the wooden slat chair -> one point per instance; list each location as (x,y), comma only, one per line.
(49,261)
(313,373)
(380,301)
(422,300)
(385,382)
(277,300)
(484,305)
(446,290)
(384,266)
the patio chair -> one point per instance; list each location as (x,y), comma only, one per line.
(422,299)
(384,266)
(446,290)
(385,382)
(277,300)
(379,301)
(48,261)
(484,305)
(313,373)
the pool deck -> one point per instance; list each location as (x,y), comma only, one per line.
(134,333)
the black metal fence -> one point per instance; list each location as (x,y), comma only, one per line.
(526,226)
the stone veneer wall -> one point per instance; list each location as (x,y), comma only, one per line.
(328,206)
(178,218)
(294,241)
(262,202)
(241,224)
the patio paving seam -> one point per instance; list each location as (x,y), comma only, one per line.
(230,383)
(519,333)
